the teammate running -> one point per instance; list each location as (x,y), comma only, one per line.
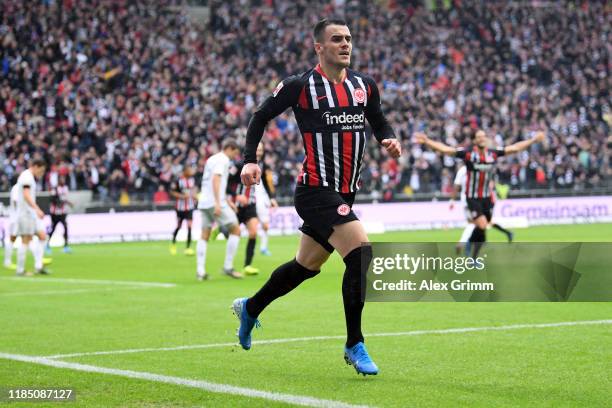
(331,104)
(185,192)
(480,162)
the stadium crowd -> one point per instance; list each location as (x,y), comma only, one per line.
(118,95)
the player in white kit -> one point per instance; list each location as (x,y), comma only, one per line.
(29,217)
(214,207)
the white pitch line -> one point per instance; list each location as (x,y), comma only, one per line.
(91,281)
(186,382)
(66,292)
(300,339)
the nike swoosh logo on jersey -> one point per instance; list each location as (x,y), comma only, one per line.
(321,97)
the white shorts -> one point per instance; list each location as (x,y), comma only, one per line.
(40,225)
(262,204)
(228,217)
(26,225)
(11,226)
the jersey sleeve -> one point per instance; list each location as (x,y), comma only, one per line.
(233,179)
(284,96)
(499,152)
(380,125)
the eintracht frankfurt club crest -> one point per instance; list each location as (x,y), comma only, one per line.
(359,95)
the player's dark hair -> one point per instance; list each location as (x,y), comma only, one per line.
(38,163)
(319,28)
(230,143)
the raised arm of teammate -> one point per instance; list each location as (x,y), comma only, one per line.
(421,138)
(524,144)
(383,132)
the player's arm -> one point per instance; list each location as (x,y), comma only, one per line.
(383,132)
(522,145)
(284,96)
(422,138)
(175,192)
(30,201)
(216,187)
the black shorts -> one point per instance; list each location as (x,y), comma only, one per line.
(321,209)
(57,218)
(480,206)
(246,213)
(184,215)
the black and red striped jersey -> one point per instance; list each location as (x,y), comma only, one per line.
(332,121)
(185,185)
(480,170)
(59,200)
(236,188)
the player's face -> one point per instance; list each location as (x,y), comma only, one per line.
(38,171)
(481,139)
(260,152)
(336,46)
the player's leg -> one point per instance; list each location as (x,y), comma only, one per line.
(54,222)
(479,235)
(21,254)
(509,234)
(231,246)
(263,214)
(252,224)
(465,236)
(189,220)
(179,223)
(202,244)
(38,249)
(64,223)
(307,263)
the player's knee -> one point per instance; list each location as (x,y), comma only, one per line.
(306,273)
(359,259)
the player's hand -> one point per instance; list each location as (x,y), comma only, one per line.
(539,137)
(420,138)
(251,174)
(40,214)
(393,146)
(273,203)
(241,199)
(217,210)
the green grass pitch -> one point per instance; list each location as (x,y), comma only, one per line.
(563,366)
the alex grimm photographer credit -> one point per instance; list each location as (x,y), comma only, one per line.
(326,203)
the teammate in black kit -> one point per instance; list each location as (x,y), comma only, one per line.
(331,104)
(184,190)
(59,210)
(242,201)
(480,162)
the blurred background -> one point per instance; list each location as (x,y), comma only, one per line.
(119,95)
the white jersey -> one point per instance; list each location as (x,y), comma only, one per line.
(460,181)
(216,164)
(26,179)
